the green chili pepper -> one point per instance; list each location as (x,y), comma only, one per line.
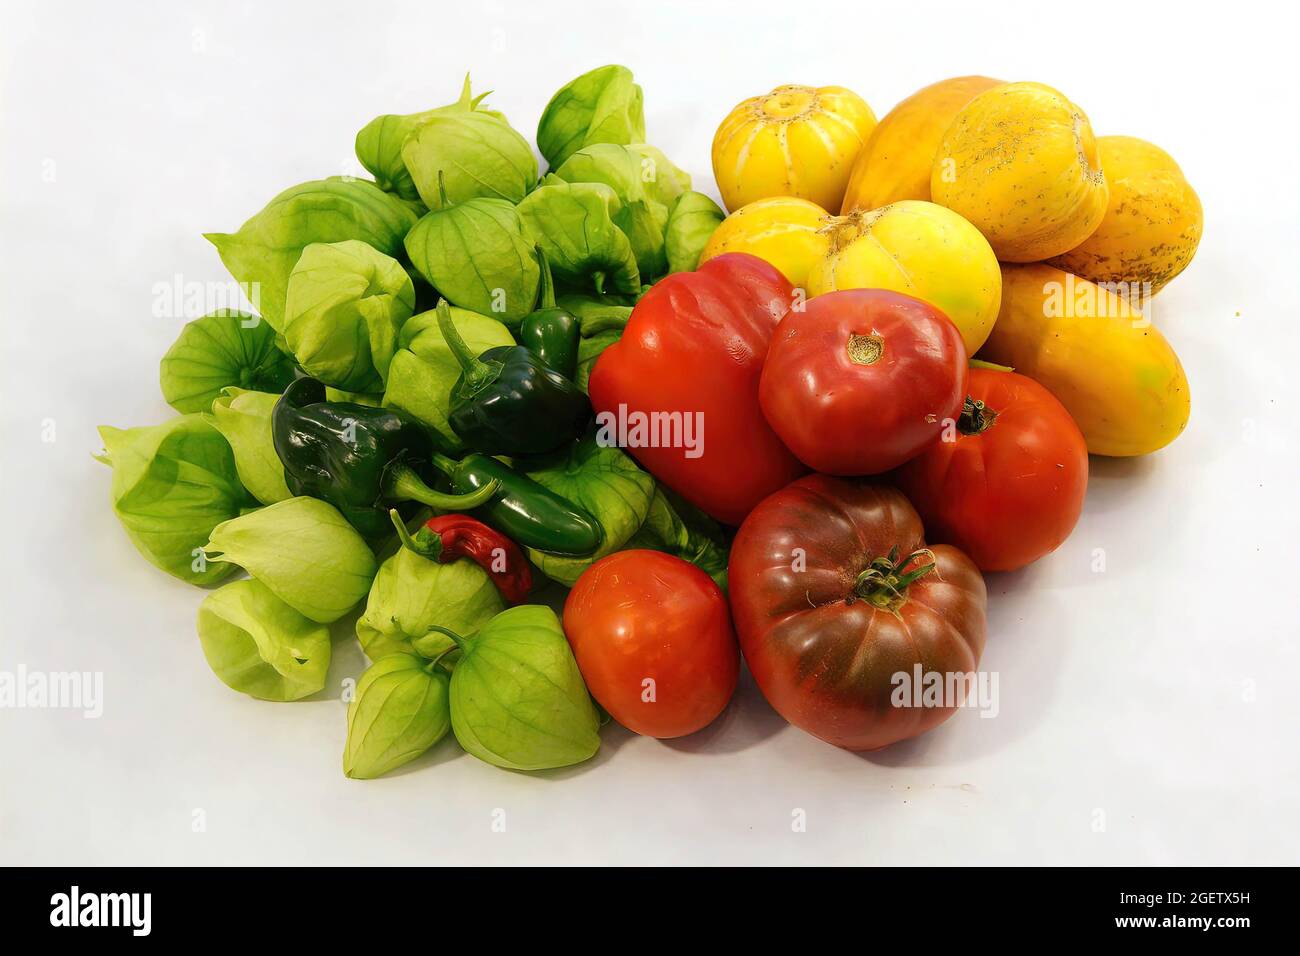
(358,458)
(549,332)
(507,401)
(522,509)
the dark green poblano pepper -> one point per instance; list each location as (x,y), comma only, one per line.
(361,459)
(550,332)
(507,401)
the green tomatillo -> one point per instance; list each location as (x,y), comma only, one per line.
(517,697)
(400,711)
(476,255)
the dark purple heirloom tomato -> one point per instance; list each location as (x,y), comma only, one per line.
(833,592)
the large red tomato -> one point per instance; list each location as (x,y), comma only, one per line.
(835,593)
(653,639)
(861,380)
(692,354)
(1009,487)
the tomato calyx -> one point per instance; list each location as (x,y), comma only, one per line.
(883,583)
(975,417)
(865,349)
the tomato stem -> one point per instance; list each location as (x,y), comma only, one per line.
(884,582)
(975,417)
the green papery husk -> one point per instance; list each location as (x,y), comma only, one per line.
(260,646)
(574,224)
(677,527)
(647,185)
(263,252)
(603,105)
(346,304)
(379,142)
(608,484)
(634,172)
(476,254)
(304,551)
(244,418)
(518,700)
(222,349)
(692,220)
(411,594)
(172,485)
(402,708)
(467,154)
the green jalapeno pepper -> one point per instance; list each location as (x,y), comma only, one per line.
(523,509)
(549,332)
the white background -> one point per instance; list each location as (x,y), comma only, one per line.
(1158,698)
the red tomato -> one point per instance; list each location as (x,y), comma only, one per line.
(692,352)
(653,639)
(1009,486)
(862,379)
(835,594)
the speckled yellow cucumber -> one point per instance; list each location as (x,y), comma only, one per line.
(1152,224)
(1020,162)
(1112,369)
(895,164)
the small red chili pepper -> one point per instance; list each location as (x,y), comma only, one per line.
(451,536)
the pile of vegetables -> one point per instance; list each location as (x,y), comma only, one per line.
(787,433)
(422,346)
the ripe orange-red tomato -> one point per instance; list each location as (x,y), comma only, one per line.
(653,639)
(1009,487)
(860,380)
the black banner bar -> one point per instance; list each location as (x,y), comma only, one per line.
(239,905)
